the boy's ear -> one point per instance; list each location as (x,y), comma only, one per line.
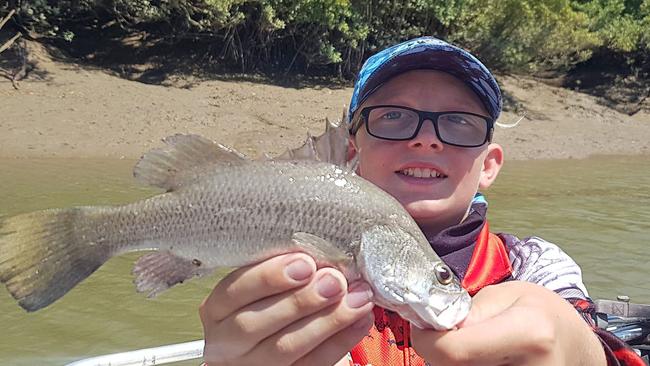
(352,148)
(492,164)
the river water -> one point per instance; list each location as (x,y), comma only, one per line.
(597,210)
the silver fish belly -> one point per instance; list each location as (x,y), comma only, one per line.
(222,210)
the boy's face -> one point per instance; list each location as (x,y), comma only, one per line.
(440,199)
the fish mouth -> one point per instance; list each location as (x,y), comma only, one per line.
(448,318)
(456,312)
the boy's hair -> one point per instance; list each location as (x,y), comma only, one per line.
(426,53)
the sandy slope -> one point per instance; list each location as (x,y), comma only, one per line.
(63,110)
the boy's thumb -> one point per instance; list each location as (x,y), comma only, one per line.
(488,303)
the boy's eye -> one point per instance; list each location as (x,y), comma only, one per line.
(392,115)
(455,118)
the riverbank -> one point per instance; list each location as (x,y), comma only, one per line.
(63,109)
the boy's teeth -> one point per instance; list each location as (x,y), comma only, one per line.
(421,173)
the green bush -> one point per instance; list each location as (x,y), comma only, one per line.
(525,35)
(335,36)
(622,26)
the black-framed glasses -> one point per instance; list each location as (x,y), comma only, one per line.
(399,123)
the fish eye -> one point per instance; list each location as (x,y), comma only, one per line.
(443,274)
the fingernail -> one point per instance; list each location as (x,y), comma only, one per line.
(299,270)
(359,295)
(328,286)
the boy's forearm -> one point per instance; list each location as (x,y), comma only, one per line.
(589,350)
(606,347)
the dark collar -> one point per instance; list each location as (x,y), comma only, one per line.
(455,245)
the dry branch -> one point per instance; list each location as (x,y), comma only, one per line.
(5,19)
(9,42)
(23,70)
(14,38)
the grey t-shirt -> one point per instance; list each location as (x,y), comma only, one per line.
(538,261)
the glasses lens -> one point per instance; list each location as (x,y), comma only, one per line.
(392,122)
(462,129)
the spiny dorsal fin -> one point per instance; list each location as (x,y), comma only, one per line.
(331,146)
(182,160)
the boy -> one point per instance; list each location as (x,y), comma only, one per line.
(421,120)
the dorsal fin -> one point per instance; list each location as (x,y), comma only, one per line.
(331,146)
(182,160)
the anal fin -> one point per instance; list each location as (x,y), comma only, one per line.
(158,271)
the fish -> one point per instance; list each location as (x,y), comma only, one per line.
(218,209)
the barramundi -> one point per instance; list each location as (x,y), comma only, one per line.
(221,209)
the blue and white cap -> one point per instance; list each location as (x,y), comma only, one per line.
(426,53)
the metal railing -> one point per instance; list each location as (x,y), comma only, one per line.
(148,356)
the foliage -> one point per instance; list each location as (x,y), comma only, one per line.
(335,36)
(622,25)
(525,35)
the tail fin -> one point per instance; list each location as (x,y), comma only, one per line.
(44,254)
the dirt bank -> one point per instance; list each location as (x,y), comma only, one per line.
(66,110)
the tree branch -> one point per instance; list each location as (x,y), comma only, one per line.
(9,42)
(5,19)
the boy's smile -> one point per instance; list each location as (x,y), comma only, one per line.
(434,181)
(421,173)
(421,170)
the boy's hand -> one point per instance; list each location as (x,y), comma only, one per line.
(284,311)
(514,323)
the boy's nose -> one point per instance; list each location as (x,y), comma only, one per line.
(426,137)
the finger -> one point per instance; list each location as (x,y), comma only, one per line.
(500,333)
(337,346)
(493,342)
(303,336)
(241,331)
(536,308)
(252,283)
(489,302)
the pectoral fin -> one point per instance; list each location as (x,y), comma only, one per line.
(158,271)
(322,250)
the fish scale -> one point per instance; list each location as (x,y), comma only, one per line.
(222,210)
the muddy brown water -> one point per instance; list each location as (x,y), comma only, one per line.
(597,210)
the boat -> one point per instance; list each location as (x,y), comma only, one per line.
(628,321)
